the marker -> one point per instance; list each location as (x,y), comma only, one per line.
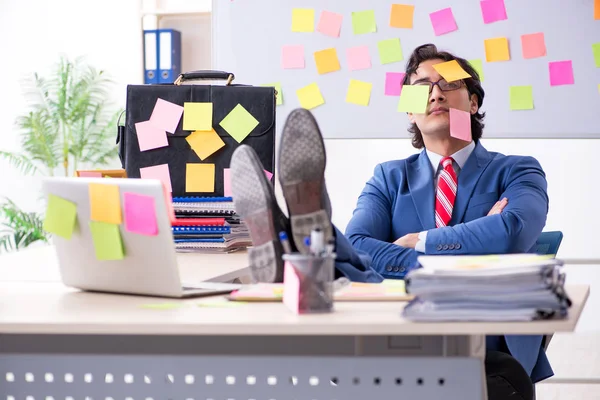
(330,247)
(285,242)
(317,242)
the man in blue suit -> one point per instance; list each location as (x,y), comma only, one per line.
(454,197)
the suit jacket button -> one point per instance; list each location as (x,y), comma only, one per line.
(451,247)
(439,247)
(402,269)
(457,246)
(396,269)
(388,268)
(445,247)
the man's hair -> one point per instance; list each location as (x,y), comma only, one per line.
(430,52)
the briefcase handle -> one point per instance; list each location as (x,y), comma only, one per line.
(205,75)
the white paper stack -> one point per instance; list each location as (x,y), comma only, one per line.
(515,287)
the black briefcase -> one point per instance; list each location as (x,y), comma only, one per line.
(259,101)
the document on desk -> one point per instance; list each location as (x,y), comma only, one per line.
(487,288)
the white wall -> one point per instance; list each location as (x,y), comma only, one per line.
(34,33)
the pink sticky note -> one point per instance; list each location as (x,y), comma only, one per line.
(292,57)
(561,73)
(227,181)
(291,288)
(460,125)
(358,58)
(443,21)
(140,214)
(160,172)
(533,45)
(493,10)
(149,136)
(90,174)
(330,23)
(393,83)
(166,115)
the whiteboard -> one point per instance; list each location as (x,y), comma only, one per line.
(248,36)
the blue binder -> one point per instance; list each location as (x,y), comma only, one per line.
(151,56)
(169,55)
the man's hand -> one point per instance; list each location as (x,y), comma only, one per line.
(498,207)
(408,241)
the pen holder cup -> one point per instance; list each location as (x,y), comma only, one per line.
(308,283)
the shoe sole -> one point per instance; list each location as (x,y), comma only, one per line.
(302,176)
(254,199)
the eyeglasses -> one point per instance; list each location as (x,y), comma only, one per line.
(442,84)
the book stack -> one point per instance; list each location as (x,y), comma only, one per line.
(515,287)
(208,225)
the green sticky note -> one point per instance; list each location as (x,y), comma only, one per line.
(521,98)
(414,99)
(596,51)
(477,64)
(61,216)
(162,306)
(107,241)
(279,95)
(363,22)
(390,51)
(239,123)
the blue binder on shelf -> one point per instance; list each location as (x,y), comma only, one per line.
(151,56)
(169,55)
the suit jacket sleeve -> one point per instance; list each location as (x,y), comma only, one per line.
(370,227)
(515,230)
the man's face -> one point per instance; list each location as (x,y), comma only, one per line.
(436,120)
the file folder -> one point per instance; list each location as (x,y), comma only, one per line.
(150,56)
(169,55)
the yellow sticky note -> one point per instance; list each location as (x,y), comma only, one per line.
(279,94)
(521,98)
(477,64)
(205,143)
(390,51)
(197,116)
(413,99)
(105,203)
(239,123)
(200,178)
(327,61)
(401,16)
(61,216)
(303,20)
(497,49)
(108,244)
(310,96)
(359,92)
(599,88)
(451,71)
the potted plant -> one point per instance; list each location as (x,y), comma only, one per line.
(69,125)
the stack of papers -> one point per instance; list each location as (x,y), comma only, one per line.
(515,287)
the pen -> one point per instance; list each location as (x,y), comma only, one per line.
(330,247)
(285,242)
(317,244)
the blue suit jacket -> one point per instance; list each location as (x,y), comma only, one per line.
(399,199)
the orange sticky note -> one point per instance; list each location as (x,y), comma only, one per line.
(451,71)
(105,203)
(327,61)
(401,16)
(310,96)
(200,178)
(597,9)
(533,45)
(205,143)
(496,49)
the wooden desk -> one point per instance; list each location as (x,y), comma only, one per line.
(60,342)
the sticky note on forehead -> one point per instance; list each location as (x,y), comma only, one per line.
(413,99)
(451,71)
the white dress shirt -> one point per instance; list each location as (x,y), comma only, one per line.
(460,158)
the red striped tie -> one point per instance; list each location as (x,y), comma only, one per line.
(446,193)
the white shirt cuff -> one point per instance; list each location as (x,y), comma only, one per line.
(420,246)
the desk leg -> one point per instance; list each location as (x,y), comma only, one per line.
(242,367)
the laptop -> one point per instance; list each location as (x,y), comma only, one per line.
(149,265)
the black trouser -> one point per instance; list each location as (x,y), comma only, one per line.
(506,378)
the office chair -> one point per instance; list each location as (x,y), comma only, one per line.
(547,243)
